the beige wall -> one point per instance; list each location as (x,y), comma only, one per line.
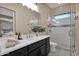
(23,16)
(62,9)
(77,30)
(44,12)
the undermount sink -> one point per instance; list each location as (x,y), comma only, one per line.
(8,42)
(11,43)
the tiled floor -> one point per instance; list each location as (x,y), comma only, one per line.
(59,52)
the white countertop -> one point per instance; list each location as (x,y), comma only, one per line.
(22,43)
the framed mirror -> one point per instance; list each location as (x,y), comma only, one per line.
(7,21)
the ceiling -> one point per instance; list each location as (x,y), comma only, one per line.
(54,5)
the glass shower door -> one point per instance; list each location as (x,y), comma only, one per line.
(72,29)
(62,32)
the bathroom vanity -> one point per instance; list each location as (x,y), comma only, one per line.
(33,46)
(36,46)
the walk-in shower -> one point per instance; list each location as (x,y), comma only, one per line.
(62,30)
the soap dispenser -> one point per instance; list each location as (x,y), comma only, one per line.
(19,36)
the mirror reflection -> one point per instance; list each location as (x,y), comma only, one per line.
(6,21)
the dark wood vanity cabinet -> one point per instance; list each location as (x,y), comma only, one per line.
(47,46)
(19,52)
(40,48)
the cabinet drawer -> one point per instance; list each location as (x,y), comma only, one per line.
(36,45)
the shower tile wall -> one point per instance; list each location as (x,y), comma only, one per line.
(60,35)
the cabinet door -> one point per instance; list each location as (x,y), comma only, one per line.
(43,50)
(35,52)
(48,45)
(36,45)
(48,48)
